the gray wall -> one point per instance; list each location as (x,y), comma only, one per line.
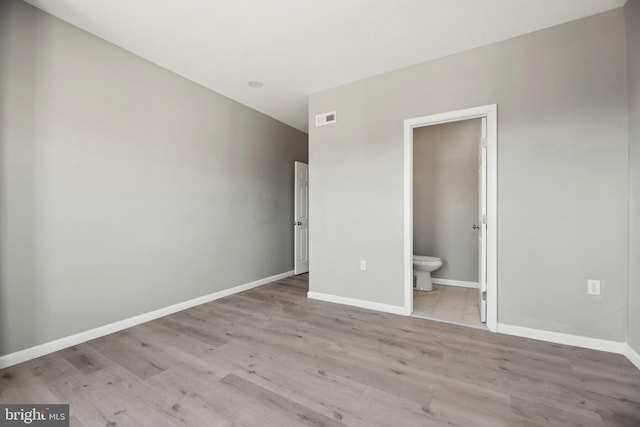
(632,15)
(445,197)
(125,188)
(562,174)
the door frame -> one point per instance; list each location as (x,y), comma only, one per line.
(490,112)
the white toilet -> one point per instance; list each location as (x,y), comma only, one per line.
(422,268)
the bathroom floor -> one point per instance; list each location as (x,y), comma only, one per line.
(450,304)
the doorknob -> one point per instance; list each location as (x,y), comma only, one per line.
(297,223)
(476,227)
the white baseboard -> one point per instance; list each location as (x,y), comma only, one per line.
(395,309)
(632,355)
(71,340)
(449,282)
(561,338)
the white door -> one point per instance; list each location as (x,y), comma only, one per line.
(482,223)
(301,219)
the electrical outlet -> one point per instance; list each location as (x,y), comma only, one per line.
(363,264)
(593,287)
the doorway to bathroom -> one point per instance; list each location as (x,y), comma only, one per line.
(451,217)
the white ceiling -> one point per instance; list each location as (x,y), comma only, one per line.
(299,47)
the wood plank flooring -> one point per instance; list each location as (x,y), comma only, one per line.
(271,357)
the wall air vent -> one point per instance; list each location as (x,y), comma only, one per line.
(325,118)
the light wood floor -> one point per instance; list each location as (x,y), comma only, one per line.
(271,357)
(450,304)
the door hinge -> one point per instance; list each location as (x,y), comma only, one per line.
(484,295)
(484,218)
(483,142)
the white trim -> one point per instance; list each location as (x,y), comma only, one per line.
(491,114)
(632,355)
(71,340)
(395,309)
(408,217)
(460,283)
(562,338)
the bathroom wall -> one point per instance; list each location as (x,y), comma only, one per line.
(125,188)
(562,174)
(632,13)
(445,197)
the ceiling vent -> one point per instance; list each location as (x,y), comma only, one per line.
(325,118)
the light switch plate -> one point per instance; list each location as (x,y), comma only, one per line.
(593,287)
